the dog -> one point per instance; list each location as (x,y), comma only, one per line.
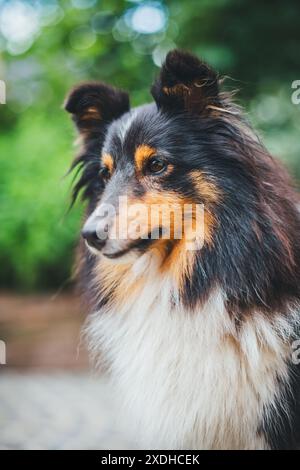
(200,341)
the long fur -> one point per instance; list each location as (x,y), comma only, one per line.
(199,344)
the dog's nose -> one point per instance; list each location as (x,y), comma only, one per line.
(90,235)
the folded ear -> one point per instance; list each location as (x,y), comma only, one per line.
(187,84)
(94,104)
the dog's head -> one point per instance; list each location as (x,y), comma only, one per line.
(185,168)
(151,173)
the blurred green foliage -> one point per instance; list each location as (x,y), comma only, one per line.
(46,46)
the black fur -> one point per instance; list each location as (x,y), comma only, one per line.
(185,83)
(107,104)
(281,424)
(255,254)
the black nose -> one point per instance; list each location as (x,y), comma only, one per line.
(92,238)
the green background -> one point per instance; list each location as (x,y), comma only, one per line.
(47,46)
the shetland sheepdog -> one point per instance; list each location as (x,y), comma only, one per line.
(200,338)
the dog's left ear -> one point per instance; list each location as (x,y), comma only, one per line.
(95,104)
(186,84)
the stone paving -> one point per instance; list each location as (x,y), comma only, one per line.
(56,411)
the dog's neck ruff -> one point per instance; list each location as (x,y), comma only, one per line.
(189,379)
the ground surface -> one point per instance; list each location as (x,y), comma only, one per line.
(56,411)
(48,396)
(43,331)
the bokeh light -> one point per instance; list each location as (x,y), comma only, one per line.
(19,25)
(147,18)
(50,12)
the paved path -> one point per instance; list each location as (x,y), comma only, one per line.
(57,411)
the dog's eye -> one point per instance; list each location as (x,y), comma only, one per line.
(156,166)
(104,173)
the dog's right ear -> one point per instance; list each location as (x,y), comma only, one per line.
(186,83)
(95,104)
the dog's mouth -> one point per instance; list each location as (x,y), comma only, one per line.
(116,254)
(138,246)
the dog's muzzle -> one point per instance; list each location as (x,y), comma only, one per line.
(91,237)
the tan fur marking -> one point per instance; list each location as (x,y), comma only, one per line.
(142,153)
(179,263)
(108,161)
(209,227)
(207,189)
(114,280)
(221,110)
(178,89)
(91,113)
(175,257)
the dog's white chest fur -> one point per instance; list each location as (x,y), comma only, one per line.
(188,380)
